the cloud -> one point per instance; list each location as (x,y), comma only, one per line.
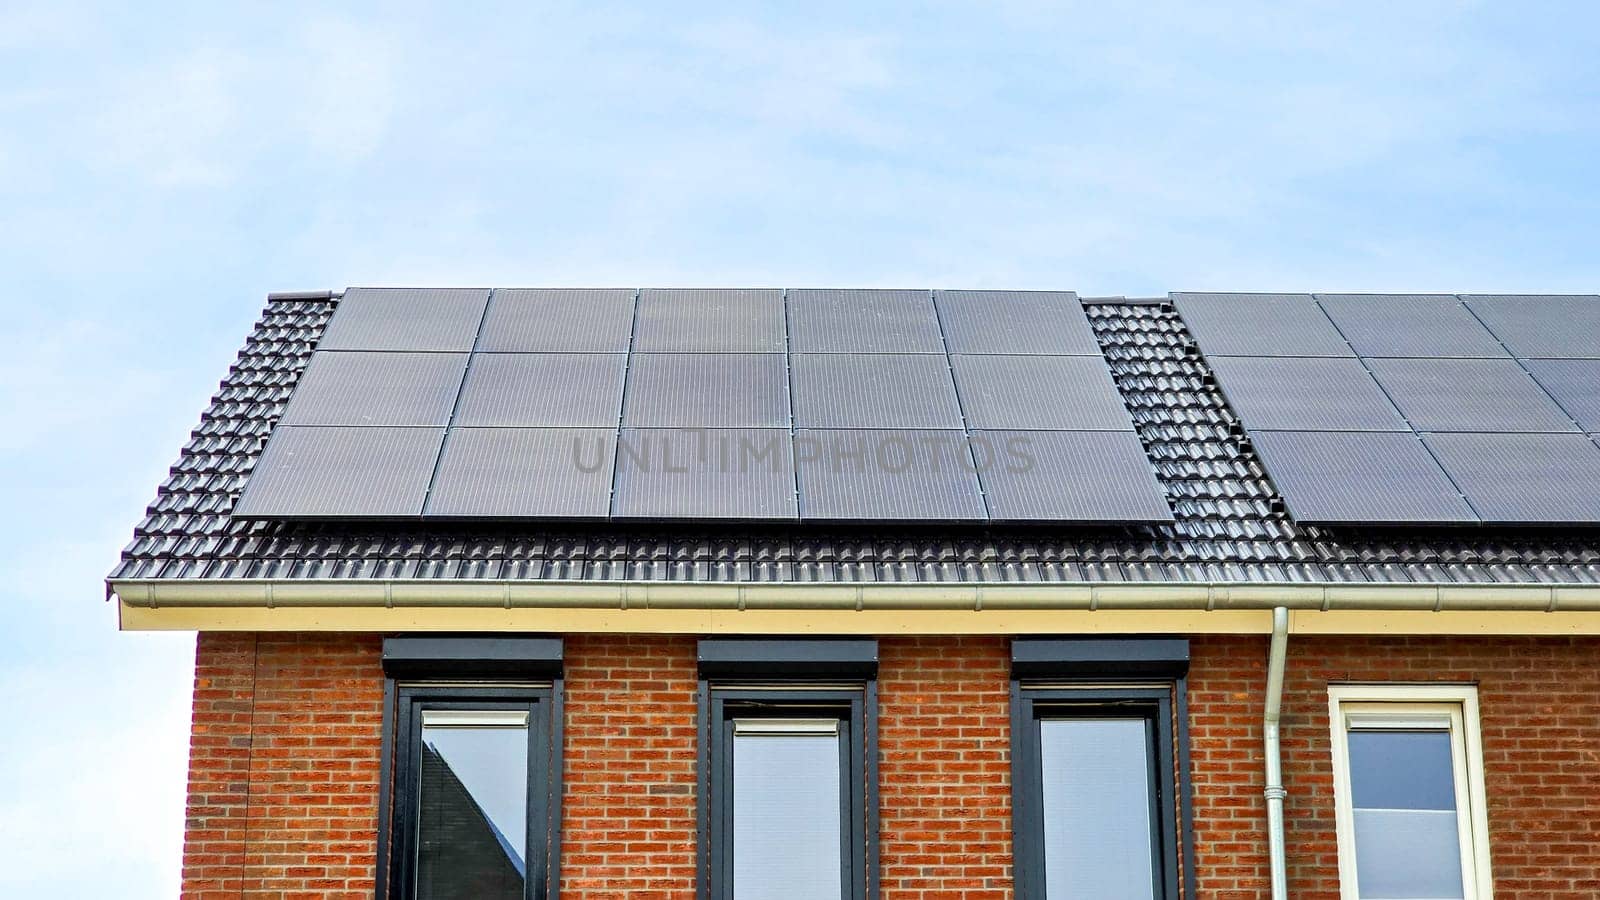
(219,113)
(348,83)
(179,124)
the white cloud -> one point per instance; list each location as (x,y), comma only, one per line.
(214,114)
(180,123)
(348,80)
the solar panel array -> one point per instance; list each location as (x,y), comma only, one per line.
(707,404)
(1414,408)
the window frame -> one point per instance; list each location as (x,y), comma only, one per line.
(854,706)
(401,778)
(1377,706)
(1032,704)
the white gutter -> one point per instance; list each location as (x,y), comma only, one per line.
(1274,783)
(622,595)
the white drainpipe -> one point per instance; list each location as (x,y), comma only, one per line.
(1274,790)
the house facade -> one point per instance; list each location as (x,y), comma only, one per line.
(1037,596)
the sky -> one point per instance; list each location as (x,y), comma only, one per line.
(165,165)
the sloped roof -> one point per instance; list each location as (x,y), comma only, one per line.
(1230,525)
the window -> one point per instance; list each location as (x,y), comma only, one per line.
(788,781)
(1099,783)
(471,772)
(1093,772)
(1408,784)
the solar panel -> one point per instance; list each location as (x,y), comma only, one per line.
(865,321)
(1468,395)
(1083,476)
(558,320)
(542,389)
(1046,322)
(341,472)
(1072,393)
(1260,325)
(857,390)
(1341,477)
(710,321)
(524,473)
(886,474)
(705,390)
(1522,478)
(1305,395)
(405,319)
(711,473)
(1420,325)
(1556,326)
(346,387)
(1575,384)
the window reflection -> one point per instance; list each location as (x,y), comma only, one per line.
(472,813)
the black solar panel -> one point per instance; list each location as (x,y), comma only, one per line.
(1560,327)
(1305,395)
(1342,477)
(713,473)
(1524,478)
(535,376)
(341,472)
(1575,384)
(524,473)
(856,390)
(886,474)
(1045,322)
(707,390)
(729,320)
(1081,476)
(1466,417)
(1468,395)
(1260,325)
(1418,325)
(1073,393)
(863,321)
(405,319)
(343,387)
(542,389)
(558,321)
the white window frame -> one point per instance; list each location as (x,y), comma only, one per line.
(1454,706)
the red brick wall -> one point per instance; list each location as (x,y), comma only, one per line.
(1539,700)
(284,769)
(944,768)
(628,816)
(219,766)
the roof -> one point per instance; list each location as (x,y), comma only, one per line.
(1229,522)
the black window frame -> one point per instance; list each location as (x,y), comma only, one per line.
(469,672)
(1104,678)
(788,679)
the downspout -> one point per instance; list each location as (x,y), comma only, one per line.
(1274,790)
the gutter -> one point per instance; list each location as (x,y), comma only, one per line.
(1274,791)
(624,595)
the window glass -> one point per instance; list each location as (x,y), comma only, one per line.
(1097,803)
(1402,786)
(472,821)
(786,815)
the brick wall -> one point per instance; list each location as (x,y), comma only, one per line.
(1539,701)
(944,768)
(628,816)
(284,769)
(283,772)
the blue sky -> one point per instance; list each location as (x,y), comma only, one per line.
(164,166)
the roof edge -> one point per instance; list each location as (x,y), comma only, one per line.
(622,596)
(303,295)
